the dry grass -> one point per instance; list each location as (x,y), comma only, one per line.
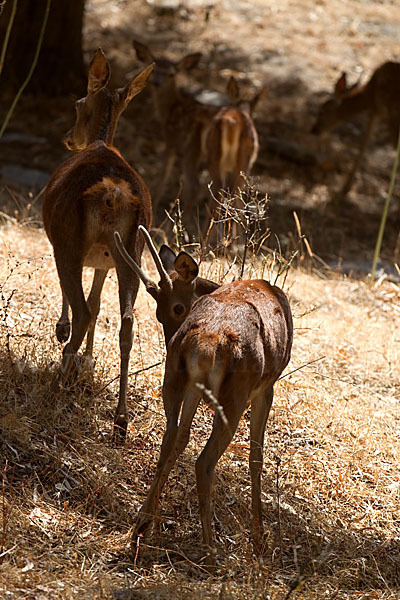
(331,481)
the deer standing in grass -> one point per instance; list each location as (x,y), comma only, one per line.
(232,140)
(379,98)
(184,122)
(90,195)
(235,341)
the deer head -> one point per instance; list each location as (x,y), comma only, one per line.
(179,284)
(98,112)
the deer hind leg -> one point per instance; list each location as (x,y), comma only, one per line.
(363,146)
(190,181)
(190,191)
(213,151)
(218,442)
(71,284)
(236,181)
(174,442)
(93,302)
(63,327)
(128,288)
(168,165)
(260,406)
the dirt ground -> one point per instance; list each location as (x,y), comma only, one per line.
(331,485)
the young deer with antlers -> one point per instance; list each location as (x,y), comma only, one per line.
(235,341)
(379,97)
(93,193)
(184,123)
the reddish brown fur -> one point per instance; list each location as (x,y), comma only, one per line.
(232,143)
(234,342)
(232,121)
(208,345)
(110,198)
(73,184)
(117,191)
(227,321)
(232,147)
(92,194)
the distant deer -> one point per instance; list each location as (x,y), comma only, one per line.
(379,97)
(234,341)
(90,195)
(184,123)
(232,141)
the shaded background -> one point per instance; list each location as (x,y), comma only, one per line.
(296,49)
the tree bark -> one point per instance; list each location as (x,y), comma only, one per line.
(60,69)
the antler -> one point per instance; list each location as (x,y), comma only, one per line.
(134,266)
(165,278)
(149,284)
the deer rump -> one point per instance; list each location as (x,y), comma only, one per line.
(231,146)
(106,193)
(226,340)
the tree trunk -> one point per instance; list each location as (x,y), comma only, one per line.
(60,68)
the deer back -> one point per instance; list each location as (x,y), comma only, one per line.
(379,96)
(92,194)
(95,191)
(244,326)
(232,140)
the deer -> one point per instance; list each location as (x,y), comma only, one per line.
(232,145)
(232,140)
(184,122)
(92,193)
(378,97)
(226,343)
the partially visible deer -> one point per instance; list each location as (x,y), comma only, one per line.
(234,342)
(90,195)
(379,98)
(184,123)
(232,140)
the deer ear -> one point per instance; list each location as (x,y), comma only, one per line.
(188,62)
(186,267)
(98,72)
(143,52)
(257,97)
(137,84)
(341,85)
(232,89)
(167,257)
(205,286)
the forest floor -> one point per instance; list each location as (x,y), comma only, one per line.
(331,483)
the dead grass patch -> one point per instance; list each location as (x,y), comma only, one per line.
(331,483)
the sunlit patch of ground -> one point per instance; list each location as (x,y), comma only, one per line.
(330,483)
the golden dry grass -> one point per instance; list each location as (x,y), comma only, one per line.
(331,481)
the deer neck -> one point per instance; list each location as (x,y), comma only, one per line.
(103,128)
(354,103)
(107,129)
(166,98)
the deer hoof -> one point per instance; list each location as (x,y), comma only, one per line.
(120,431)
(63,330)
(142,525)
(257,539)
(209,561)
